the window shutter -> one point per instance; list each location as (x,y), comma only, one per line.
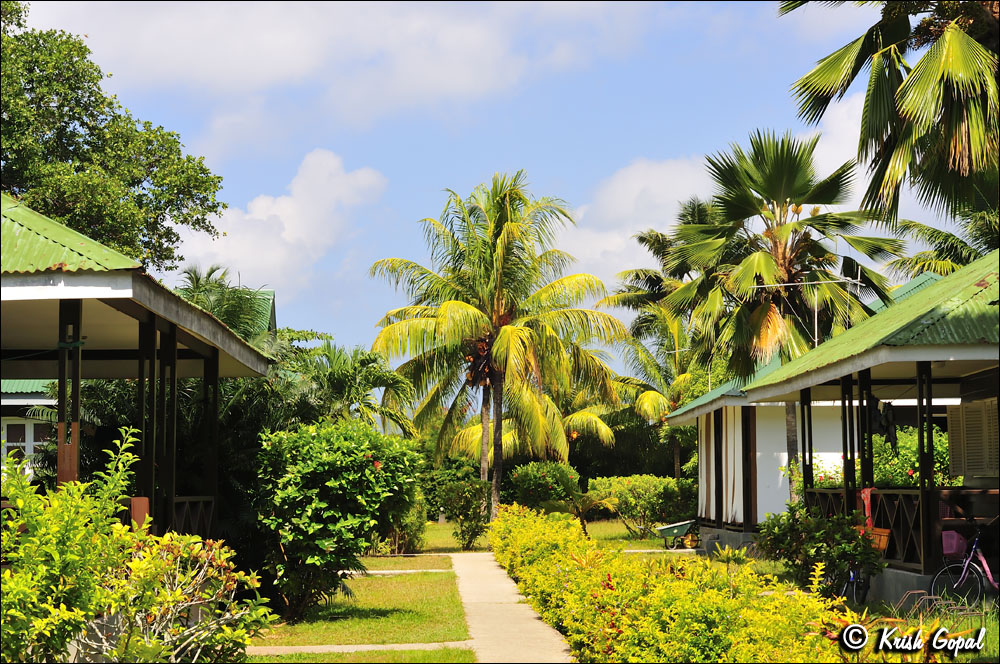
(956,443)
(992,442)
(974,434)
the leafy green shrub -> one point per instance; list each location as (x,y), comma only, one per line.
(645,500)
(404,532)
(466,505)
(893,468)
(325,490)
(78,577)
(541,481)
(433,481)
(802,537)
(613,607)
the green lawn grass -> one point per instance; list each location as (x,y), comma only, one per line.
(406,562)
(438,538)
(613,534)
(388,656)
(408,608)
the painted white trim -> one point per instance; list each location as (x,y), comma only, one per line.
(54,285)
(872,358)
(26,401)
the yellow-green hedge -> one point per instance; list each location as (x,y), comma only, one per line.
(616,607)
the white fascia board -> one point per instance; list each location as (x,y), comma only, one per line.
(66,285)
(27,401)
(873,358)
(691,416)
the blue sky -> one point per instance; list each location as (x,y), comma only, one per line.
(337,126)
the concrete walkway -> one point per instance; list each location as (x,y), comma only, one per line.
(503,627)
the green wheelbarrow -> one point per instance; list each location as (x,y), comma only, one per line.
(680,534)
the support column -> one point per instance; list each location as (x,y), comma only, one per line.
(68,405)
(930,538)
(865,403)
(146,471)
(210,430)
(847,431)
(167,457)
(748,421)
(805,408)
(717,453)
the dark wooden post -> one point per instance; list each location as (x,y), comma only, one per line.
(168,458)
(717,433)
(146,472)
(930,540)
(847,431)
(805,408)
(748,421)
(210,431)
(865,404)
(68,406)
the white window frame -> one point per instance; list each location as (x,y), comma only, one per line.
(30,441)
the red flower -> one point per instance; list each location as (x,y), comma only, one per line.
(378,465)
(910,472)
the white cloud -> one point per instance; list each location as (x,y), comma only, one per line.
(644,194)
(838,143)
(362,59)
(277,240)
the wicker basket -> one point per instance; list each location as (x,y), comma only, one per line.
(878,536)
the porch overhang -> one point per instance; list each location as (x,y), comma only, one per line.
(892,371)
(113,305)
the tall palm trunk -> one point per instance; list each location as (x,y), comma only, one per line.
(497,442)
(791,447)
(484,419)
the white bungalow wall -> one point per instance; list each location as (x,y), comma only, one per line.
(772,484)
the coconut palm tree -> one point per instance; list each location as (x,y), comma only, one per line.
(494,314)
(979,235)
(935,120)
(246,311)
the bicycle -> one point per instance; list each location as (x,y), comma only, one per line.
(859,579)
(965,582)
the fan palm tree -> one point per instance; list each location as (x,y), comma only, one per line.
(777,292)
(781,293)
(495,315)
(937,120)
(979,235)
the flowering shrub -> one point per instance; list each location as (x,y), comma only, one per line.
(541,481)
(899,468)
(802,537)
(76,577)
(326,489)
(612,607)
(645,500)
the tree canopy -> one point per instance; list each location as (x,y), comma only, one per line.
(74,153)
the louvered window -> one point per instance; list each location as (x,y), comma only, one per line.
(974,439)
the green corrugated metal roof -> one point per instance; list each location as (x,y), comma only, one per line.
(34,243)
(958,309)
(23,386)
(730,389)
(904,291)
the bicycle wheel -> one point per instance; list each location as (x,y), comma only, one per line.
(948,584)
(862,584)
